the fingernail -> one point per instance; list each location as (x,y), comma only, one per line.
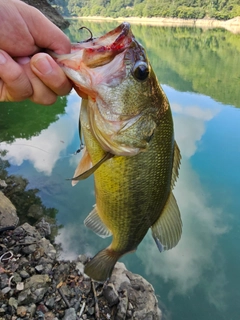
(23,60)
(43,65)
(2,58)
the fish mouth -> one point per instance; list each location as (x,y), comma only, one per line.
(97,52)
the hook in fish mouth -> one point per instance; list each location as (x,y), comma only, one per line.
(91,35)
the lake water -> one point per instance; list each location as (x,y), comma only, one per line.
(199,71)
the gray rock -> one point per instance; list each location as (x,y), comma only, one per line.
(110,294)
(51,13)
(47,268)
(29,249)
(50,302)
(3,280)
(91,310)
(16,277)
(122,308)
(39,294)
(70,314)
(39,268)
(119,277)
(6,290)
(32,309)
(44,228)
(37,281)
(139,292)
(8,214)
(66,291)
(48,248)
(25,297)
(30,230)
(13,302)
(24,274)
(35,289)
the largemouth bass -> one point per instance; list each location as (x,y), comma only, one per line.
(127,126)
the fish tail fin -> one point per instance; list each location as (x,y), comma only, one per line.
(102,264)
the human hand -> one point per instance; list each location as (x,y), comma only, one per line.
(24,31)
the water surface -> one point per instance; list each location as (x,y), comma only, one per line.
(199,71)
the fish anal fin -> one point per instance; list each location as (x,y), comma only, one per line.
(176,164)
(94,222)
(167,230)
(101,266)
(84,165)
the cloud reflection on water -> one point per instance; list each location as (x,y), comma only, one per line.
(44,150)
(186,264)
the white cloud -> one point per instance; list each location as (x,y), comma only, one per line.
(44,150)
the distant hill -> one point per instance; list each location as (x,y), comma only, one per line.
(185,9)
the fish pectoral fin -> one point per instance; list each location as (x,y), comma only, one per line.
(85,164)
(176,164)
(87,173)
(94,222)
(167,230)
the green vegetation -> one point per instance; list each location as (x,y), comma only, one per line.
(186,9)
(27,119)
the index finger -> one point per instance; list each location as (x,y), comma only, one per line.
(14,84)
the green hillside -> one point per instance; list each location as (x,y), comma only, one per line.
(186,9)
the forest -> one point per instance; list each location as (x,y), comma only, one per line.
(185,9)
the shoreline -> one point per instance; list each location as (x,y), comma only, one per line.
(232,25)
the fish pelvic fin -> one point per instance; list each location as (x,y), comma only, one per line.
(94,222)
(84,165)
(167,230)
(101,266)
(92,169)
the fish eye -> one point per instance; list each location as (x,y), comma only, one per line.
(140,71)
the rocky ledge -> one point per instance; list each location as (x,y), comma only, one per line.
(34,284)
(49,12)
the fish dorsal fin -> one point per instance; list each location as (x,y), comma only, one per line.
(176,164)
(91,170)
(167,230)
(94,222)
(84,165)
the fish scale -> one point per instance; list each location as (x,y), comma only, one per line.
(130,197)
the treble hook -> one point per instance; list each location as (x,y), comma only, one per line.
(91,35)
(80,149)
